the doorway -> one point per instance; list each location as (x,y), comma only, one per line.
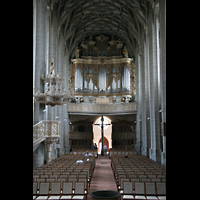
(105,141)
(107,133)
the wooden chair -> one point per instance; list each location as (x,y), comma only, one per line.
(43,191)
(87,171)
(35,176)
(140,176)
(156,180)
(38,180)
(146,180)
(83,176)
(134,180)
(79,191)
(44,176)
(139,191)
(121,186)
(63,176)
(119,179)
(67,190)
(85,181)
(34,190)
(150,190)
(55,191)
(55,176)
(48,173)
(50,179)
(161,190)
(152,176)
(128,190)
(131,176)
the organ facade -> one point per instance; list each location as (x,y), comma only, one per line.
(102,72)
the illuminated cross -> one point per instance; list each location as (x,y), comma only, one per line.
(102,133)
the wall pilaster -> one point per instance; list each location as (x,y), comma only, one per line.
(39,53)
(162,18)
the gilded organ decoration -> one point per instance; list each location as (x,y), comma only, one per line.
(117,76)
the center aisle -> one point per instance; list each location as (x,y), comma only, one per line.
(103,178)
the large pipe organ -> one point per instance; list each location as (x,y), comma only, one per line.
(102,72)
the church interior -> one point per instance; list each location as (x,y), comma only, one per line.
(99,77)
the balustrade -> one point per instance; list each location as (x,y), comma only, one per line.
(45,128)
(48,131)
(102,108)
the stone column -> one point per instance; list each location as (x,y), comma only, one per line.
(65,107)
(39,51)
(53,27)
(60,69)
(66,129)
(154,151)
(162,18)
(34,46)
(147,91)
(49,148)
(138,97)
(143,97)
(47,59)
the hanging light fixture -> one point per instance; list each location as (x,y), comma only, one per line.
(53,94)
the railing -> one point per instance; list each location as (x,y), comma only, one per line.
(102,91)
(121,108)
(45,128)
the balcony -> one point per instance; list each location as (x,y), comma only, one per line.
(108,109)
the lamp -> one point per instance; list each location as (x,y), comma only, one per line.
(52,95)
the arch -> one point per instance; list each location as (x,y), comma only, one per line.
(107,133)
(105,141)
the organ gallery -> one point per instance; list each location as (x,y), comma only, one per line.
(103,69)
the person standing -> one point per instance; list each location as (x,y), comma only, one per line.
(105,150)
(93,146)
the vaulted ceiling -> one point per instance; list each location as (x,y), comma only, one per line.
(78,19)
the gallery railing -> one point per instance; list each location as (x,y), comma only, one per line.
(102,91)
(102,108)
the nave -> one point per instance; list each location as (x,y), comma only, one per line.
(136,177)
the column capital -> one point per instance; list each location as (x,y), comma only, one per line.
(51,139)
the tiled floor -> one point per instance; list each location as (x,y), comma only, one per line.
(103,178)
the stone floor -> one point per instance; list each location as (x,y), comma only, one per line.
(103,178)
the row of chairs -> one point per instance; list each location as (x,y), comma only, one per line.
(137,169)
(134,180)
(120,152)
(84,151)
(58,190)
(67,160)
(62,170)
(143,191)
(136,160)
(62,180)
(65,176)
